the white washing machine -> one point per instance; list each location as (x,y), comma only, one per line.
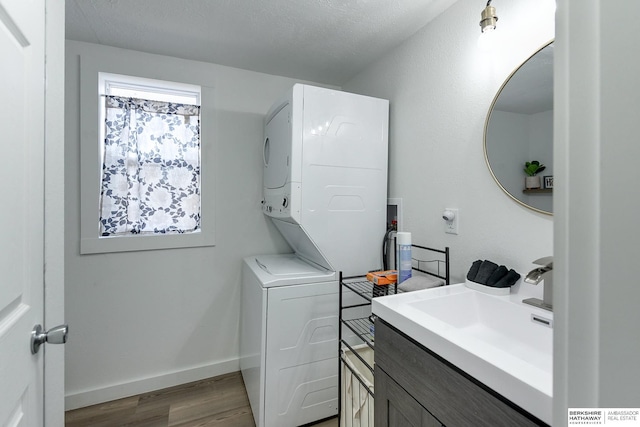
(288,344)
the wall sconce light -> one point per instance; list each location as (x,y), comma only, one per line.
(488,18)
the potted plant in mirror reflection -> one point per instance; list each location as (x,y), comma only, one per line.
(532,169)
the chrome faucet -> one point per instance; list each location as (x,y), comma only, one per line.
(537,275)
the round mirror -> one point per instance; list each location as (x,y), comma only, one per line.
(518,133)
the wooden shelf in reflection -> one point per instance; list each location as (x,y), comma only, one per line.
(537,190)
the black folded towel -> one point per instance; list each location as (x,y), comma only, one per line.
(474,269)
(489,274)
(508,280)
(498,274)
(485,271)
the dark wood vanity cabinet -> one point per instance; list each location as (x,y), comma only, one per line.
(394,406)
(415,387)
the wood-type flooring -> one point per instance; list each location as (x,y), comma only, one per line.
(220,401)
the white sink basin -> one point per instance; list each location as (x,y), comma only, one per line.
(492,338)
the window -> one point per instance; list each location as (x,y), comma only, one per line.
(150,158)
(145,183)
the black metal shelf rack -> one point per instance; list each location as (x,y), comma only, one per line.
(362,327)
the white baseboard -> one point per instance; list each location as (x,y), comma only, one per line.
(139,386)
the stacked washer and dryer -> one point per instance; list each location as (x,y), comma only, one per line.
(325,189)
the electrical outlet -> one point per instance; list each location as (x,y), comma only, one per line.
(451,220)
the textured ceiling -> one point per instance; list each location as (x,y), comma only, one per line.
(327,41)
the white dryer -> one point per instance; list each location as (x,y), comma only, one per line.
(325,176)
(288,345)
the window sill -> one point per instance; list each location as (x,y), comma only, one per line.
(100,245)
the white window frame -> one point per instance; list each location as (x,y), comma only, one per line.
(143,88)
(95,76)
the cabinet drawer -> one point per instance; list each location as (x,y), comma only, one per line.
(453,397)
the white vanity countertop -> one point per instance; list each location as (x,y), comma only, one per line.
(492,338)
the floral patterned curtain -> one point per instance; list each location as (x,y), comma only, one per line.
(151,168)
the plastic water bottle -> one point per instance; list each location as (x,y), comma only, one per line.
(404,256)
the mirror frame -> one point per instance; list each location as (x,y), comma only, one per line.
(486,127)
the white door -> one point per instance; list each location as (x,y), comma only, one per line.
(22,90)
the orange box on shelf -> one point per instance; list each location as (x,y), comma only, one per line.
(387,277)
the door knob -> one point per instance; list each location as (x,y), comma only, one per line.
(57,335)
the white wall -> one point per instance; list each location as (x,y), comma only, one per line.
(541,148)
(146,320)
(596,235)
(441,86)
(508,149)
(541,137)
